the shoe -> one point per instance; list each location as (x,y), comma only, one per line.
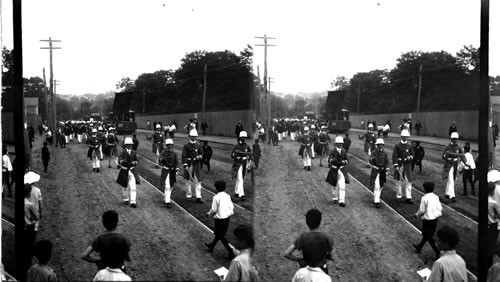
(342,204)
(447,196)
(188,197)
(309,168)
(242,198)
(109,166)
(409,201)
(377,205)
(97,170)
(335,200)
(417,250)
(125,202)
(167,205)
(209,248)
(199,200)
(453,200)
(134,205)
(368,166)
(305,168)
(93,169)
(237,195)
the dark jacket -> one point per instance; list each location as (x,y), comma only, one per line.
(337,161)
(126,162)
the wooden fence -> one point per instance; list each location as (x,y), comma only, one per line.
(219,123)
(433,123)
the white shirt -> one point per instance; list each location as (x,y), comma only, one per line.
(222,206)
(430,207)
(469,160)
(6,164)
(111,274)
(172,128)
(36,197)
(311,274)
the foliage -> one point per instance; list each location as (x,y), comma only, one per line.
(125,84)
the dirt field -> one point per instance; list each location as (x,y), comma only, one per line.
(370,244)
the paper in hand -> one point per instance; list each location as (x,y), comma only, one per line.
(221,272)
(424,273)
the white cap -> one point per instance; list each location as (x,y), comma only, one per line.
(31,177)
(306,128)
(243,134)
(405,133)
(100,128)
(158,126)
(128,141)
(193,132)
(454,135)
(111,128)
(380,141)
(169,141)
(313,126)
(94,130)
(370,125)
(339,140)
(493,175)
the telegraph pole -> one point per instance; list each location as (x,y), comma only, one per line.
(419,88)
(204,88)
(359,90)
(51,78)
(266,93)
(269,81)
(46,92)
(54,97)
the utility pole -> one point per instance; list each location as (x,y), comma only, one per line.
(419,88)
(266,93)
(51,78)
(274,108)
(204,88)
(46,93)
(54,99)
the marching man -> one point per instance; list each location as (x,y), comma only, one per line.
(158,139)
(102,140)
(94,152)
(337,176)
(111,143)
(323,142)
(313,134)
(380,165)
(241,154)
(305,150)
(192,153)
(128,177)
(369,137)
(451,156)
(401,158)
(169,163)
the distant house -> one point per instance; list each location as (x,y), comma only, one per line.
(31,105)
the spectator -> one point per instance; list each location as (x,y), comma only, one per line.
(148,125)
(315,245)
(256,153)
(36,199)
(108,244)
(450,266)
(494,273)
(429,211)
(311,274)
(31,216)
(113,259)
(154,125)
(45,156)
(347,142)
(204,126)
(238,129)
(207,155)
(493,219)
(221,210)
(135,141)
(419,156)
(6,170)
(241,268)
(172,129)
(418,127)
(452,128)
(41,271)
(468,169)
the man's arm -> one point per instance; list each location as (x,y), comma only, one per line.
(88,255)
(288,253)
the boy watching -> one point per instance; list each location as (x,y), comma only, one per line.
(221,210)
(450,266)
(256,153)
(315,245)
(107,243)
(41,271)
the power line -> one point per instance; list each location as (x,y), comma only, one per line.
(266,92)
(51,78)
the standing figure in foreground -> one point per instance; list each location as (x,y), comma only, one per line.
(452,154)
(241,154)
(241,268)
(337,175)
(169,163)
(380,165)
(402,156)
(305,150)
(128,177)
(192,153)
(450,266)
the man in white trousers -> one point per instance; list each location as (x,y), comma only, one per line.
(337,175)
(192,153)
(401,158)
(305,150)
(128,177)
(452,154)
(94,152)
(169,163)
(241,154)
(379,161)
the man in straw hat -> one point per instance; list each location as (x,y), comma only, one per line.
(401,159)
(241,154)
(192,153)
(169,163)
(128,177)
(32,206)
(452,154)
(337,175)
(380,165)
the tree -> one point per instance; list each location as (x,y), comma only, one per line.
(468,59)
(340,83)
(125,84)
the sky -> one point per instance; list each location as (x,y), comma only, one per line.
(315,41)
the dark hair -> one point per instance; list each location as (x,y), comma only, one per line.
(27,190)
(448,235)
(491,188)
(467,147)
(244,233)
(43,251)
(220,185)
(110,219)
(44,143)
(428,186)
(313,218)
(257,140)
